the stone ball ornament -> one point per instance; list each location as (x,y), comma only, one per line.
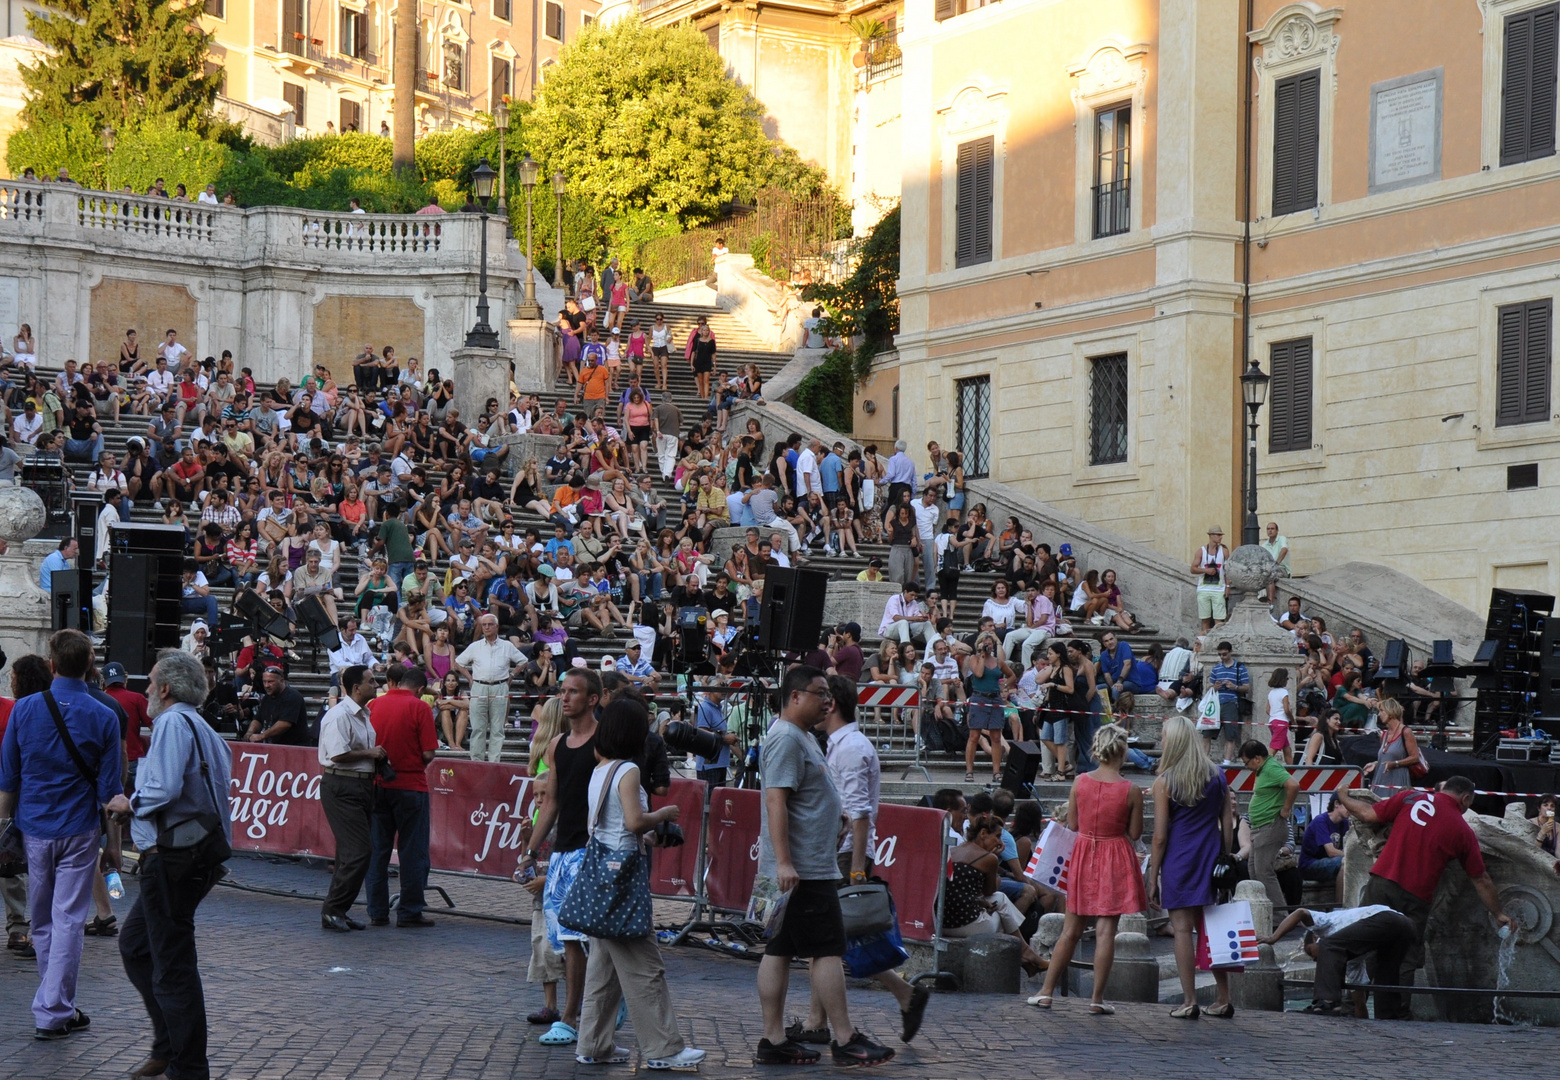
(1250,568)
(22,513)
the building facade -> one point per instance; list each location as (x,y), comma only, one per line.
(1080,294)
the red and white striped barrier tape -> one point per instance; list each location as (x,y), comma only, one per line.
(888,696)
(1313,779)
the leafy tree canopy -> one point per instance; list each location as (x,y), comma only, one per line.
(112,62)
(646,119)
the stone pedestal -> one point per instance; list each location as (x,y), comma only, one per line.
(523,448)
(860,602)
(1134,975)
(479,374)
(1261,985)
(991,964)
(534,343)
(1259,642)
(25,617)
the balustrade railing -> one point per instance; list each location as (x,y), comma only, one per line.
(373,232)
(146,216)
(20,203)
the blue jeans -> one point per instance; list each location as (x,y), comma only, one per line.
(84,449)
(1324,869)
(1084,728)
(1139,759)
(204,606)
(400,818)
(399,571)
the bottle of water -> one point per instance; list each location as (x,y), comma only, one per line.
(116,885)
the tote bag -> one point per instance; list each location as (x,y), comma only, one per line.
(610,897)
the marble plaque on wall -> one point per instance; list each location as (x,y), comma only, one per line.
(1405,131)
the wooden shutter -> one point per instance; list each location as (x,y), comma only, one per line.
(1289,396)
(973,202)
(946,9)
(1527,119)
(1297,131)
(1522,374)
(555,21)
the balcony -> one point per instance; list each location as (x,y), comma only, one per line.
(884,58)
(366,67)
(1112,208)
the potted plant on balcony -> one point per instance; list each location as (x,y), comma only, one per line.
(297,36)
(866,29)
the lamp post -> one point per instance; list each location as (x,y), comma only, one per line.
(482,335)
(501,122)
(529,308)
(557,183)
(108,136)
(1253,390)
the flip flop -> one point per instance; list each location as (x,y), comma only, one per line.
(560,1034)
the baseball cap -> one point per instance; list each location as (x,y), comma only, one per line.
(114,673)
(580,661)
(632,646)
(608,664)
(1067,550)
(718,612)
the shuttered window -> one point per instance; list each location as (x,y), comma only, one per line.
(501,86)
(1289,396)
(1527,93)
(1297,129)
(292,93)
(1108,409)
(554,28)
(972,240)
(1522,369)
(946,9)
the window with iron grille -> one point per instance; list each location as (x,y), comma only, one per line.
(1297,141)
(972,428)
(1113,170)
(502,74)
(1527,92)
(1108,409)
(1522,368)
(1289,396)
(973,202)
(554,28)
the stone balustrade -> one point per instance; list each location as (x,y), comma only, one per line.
(261,236)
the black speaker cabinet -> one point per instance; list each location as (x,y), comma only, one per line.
(791,616)
(65,600)
(1020,767)
(144,611)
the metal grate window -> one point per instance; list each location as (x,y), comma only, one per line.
(972,431)
(1108,409)
(1113,171)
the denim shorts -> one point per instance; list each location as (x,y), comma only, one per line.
(1054,731)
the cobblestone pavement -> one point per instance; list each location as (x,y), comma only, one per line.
(290,1001)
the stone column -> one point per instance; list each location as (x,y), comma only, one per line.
(1134,976)
(534,342)
(479,374)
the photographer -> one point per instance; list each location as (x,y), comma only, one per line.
(709,715)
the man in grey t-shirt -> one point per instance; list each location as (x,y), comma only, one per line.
(762,499)
(801,828)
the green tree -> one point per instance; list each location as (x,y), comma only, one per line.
(646,118)
(112,62)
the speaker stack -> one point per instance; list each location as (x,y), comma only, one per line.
(791,616)
(145,568)
(47,477)
(1549,679)
(1511,687)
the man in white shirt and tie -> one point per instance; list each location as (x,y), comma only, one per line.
(492,661)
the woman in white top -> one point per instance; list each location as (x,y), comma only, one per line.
(25,348)
(329,549)
(1281,713)
(660,346)
(631,969)
(1005,610)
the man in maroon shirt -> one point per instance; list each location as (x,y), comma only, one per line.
(134,705)
(1428,831)
(403,725)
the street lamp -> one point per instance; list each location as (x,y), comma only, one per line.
(108,135)
(1253,389)
(557,183)
(501,122)
(529,308)
(482,336)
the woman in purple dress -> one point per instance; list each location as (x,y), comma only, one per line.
(1194,820)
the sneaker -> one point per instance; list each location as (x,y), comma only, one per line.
(860,1051)
(789,1052)
(617,1057)
(798,1032)
(687,1058)
(911,1016)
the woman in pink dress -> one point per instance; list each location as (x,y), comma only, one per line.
(1103,880)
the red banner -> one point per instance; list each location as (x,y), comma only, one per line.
(735,820)
(674,872)
(909,857)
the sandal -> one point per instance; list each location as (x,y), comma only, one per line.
(969,778)
(1226,1011)
(1189,1011)
(1099,1008)
(544,1016)
(1041,1001)
(100,927)
(1324,1008)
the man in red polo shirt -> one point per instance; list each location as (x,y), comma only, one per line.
(1428,831)
(403,725)
(134,705)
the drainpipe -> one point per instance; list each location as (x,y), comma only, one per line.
(1245,261)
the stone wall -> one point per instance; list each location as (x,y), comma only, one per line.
(343,324)
(150,308)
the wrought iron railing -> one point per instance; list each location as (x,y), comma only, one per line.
(1112,208)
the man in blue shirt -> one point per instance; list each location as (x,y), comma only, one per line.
(57,806)
(899,475)
(831,468)
(1231,679)
(58,559)
(709,715)
(184,773)
(1321,850)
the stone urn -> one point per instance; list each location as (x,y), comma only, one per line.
(22,514)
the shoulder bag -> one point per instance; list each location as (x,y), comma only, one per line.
(867,909)
(198,843)
(74,752)
(610,897)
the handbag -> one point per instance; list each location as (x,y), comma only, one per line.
(876,953)
(867,909)
(13,852)
(610,897)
